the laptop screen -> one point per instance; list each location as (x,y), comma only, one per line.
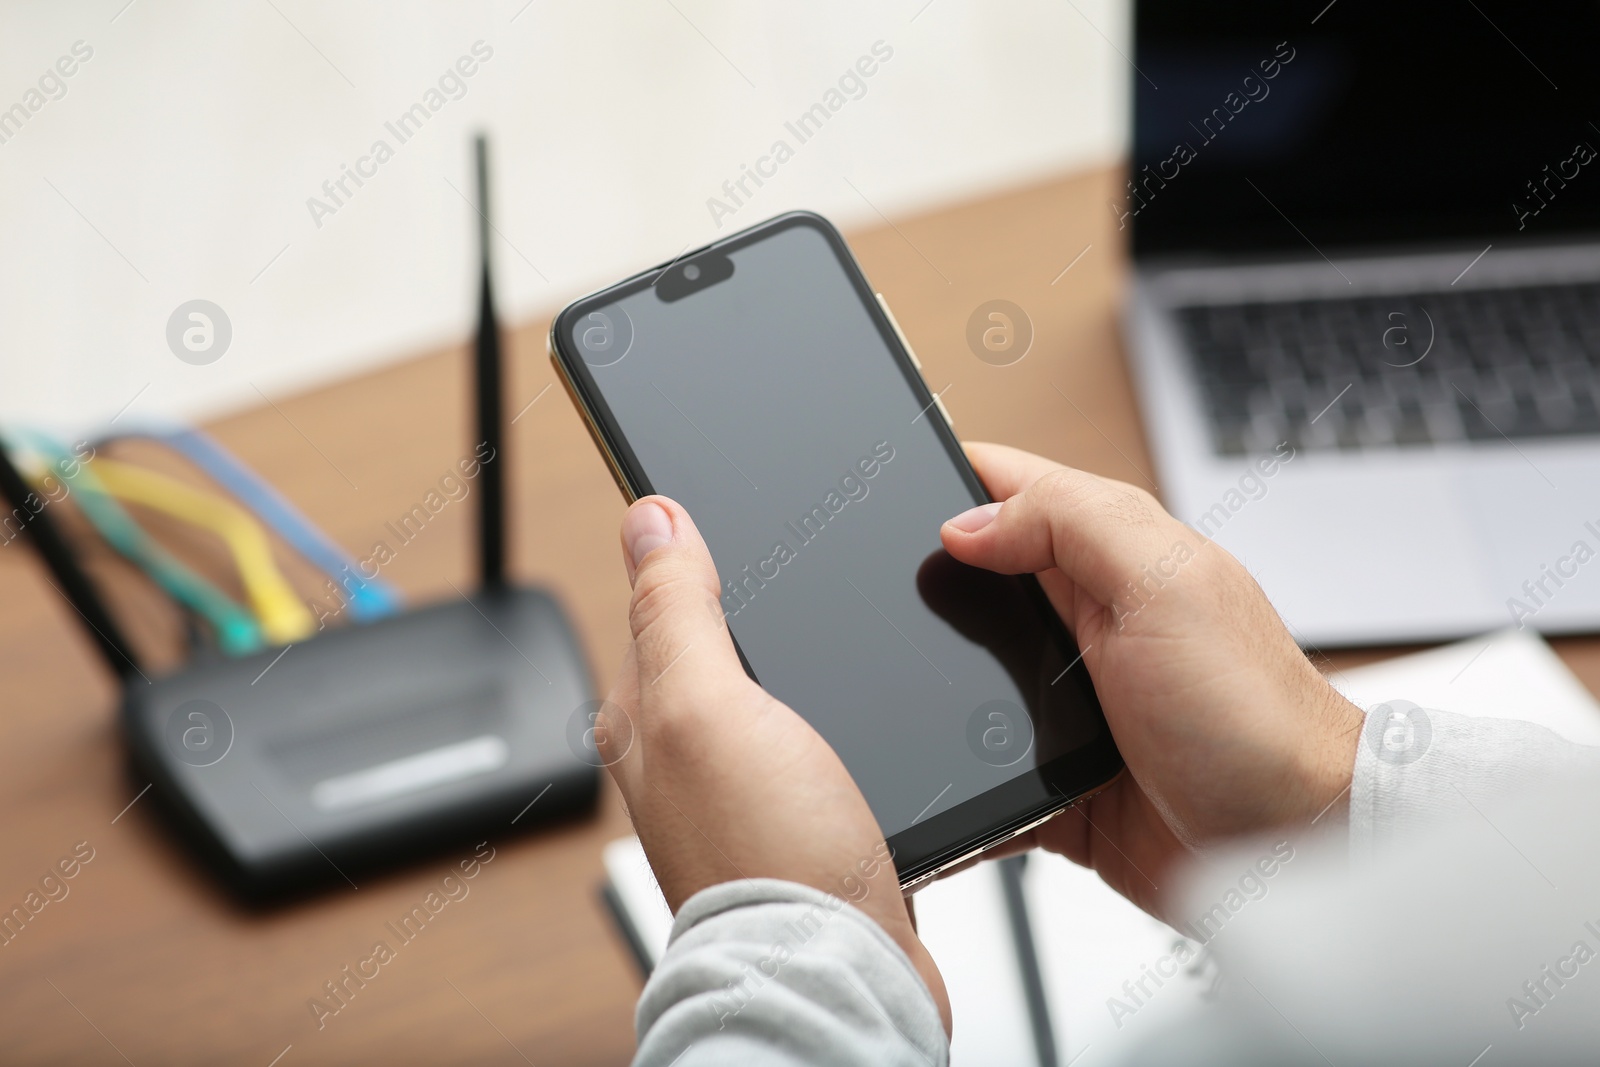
(1265,126)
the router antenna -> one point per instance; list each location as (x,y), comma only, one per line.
(487,394)
(73,583)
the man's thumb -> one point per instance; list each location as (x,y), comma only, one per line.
(1101,534)
(675,612)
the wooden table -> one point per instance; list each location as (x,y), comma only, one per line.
(146,962)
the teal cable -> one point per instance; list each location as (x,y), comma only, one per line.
(237,631)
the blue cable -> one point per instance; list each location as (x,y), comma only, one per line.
(369,598)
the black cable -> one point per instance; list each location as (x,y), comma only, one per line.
(70,581)
(1044,1038)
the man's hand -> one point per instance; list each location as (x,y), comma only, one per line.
(721,780)
(1226,727)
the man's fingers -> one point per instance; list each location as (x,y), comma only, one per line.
(1101,534)
(680,636)
(1119,833)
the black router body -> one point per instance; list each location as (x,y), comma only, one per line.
(367,745)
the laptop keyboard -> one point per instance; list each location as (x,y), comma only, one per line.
(1385,371)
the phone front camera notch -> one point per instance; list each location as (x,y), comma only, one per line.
(701,273)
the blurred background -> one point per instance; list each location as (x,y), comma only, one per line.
(177,162)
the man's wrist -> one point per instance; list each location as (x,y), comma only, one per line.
(1334,762)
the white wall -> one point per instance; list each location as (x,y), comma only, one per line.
(179,162)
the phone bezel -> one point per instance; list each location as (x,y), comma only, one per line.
(930,846)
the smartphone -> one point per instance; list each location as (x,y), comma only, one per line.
(762,384)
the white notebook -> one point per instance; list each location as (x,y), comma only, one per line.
(1512,674)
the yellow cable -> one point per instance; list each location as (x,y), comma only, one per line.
(284,617)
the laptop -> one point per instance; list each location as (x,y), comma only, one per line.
(1365,316)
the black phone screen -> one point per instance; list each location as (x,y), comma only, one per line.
(759,384)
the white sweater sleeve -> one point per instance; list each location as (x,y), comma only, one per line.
(1442,766)
(763,973)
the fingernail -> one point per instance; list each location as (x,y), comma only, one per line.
(646,527)
(976,519)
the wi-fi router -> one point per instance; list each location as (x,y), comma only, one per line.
(367,745)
